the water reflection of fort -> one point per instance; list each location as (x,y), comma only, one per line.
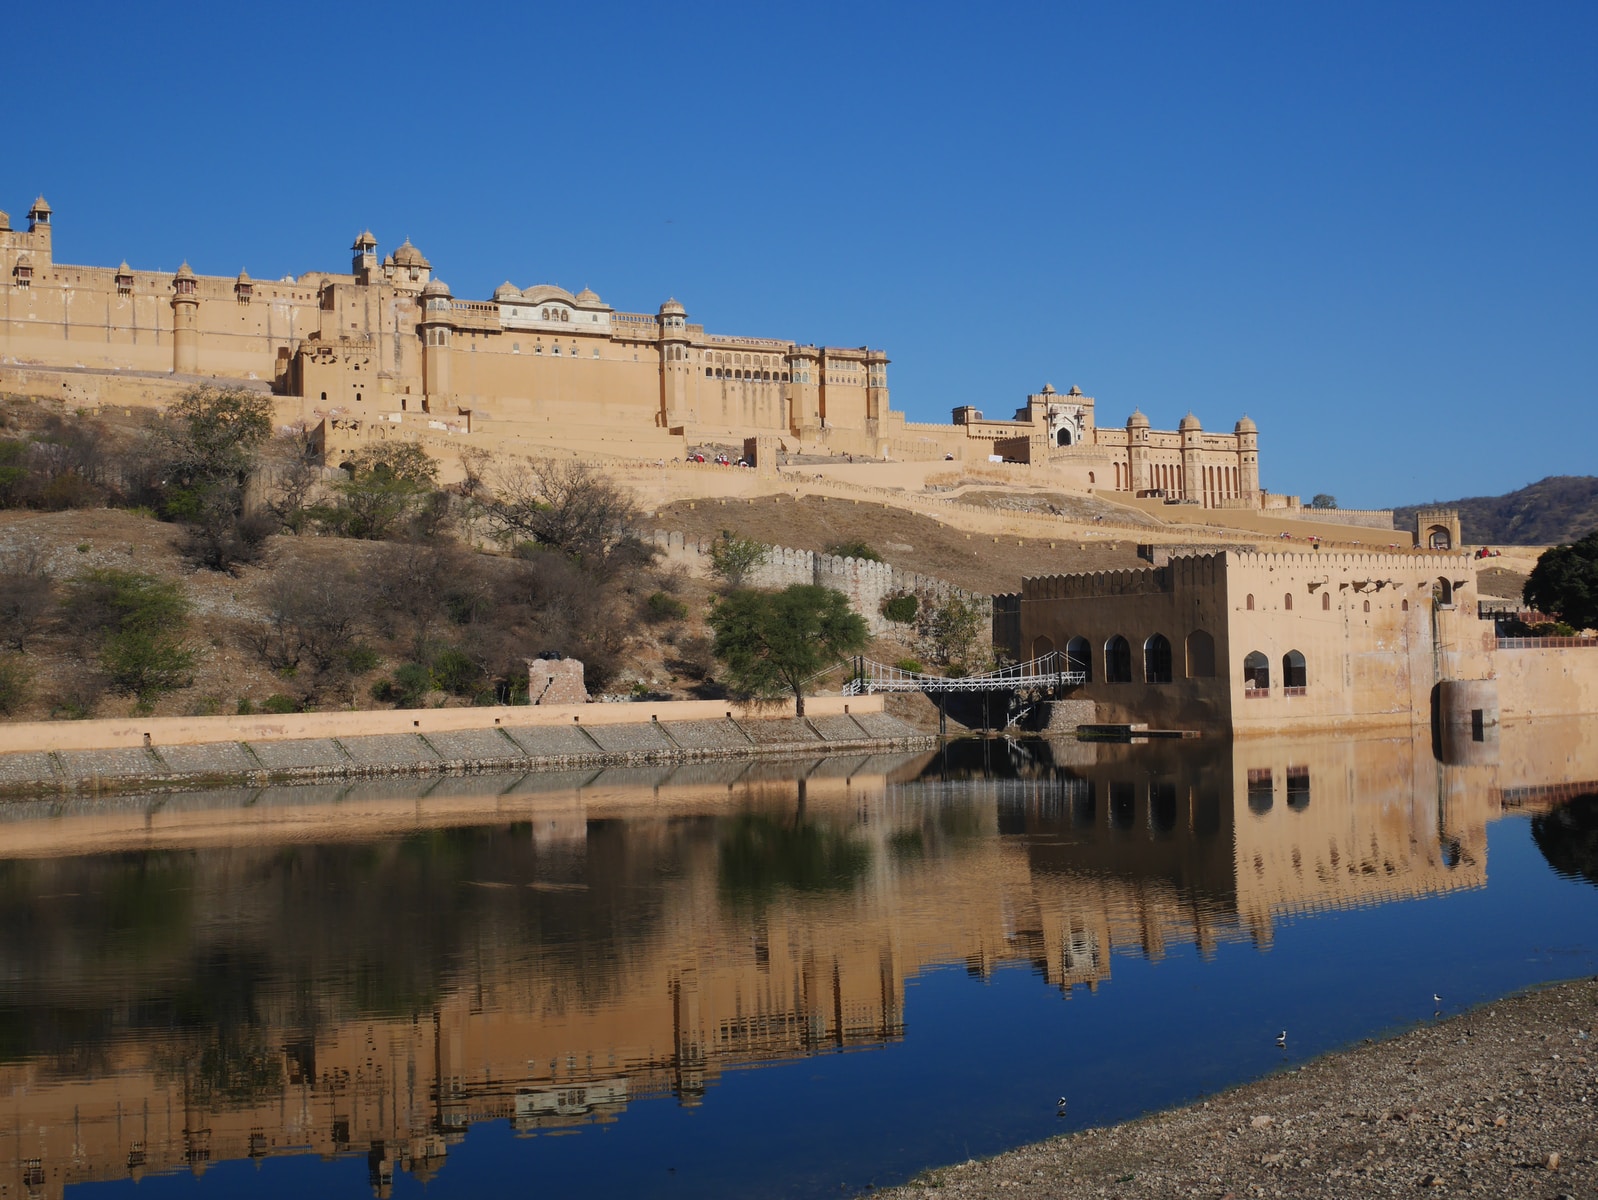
(355,971)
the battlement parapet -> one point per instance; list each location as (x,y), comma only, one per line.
(866,583)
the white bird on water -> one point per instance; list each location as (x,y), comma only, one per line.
(1436,999)
(1281,1038)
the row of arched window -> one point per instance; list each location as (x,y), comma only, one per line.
(749,376)
(1257,671)
(1157,666)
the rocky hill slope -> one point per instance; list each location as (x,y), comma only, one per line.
(1560,508)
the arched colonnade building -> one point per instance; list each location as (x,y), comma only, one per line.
(1264,642)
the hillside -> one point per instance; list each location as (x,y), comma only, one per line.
(1560,508)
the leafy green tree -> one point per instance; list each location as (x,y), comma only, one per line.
(734,559)
(773,642)
(1565,582)
(208,444)
(951,633)
(140,622)
(1323,500)
(388,486)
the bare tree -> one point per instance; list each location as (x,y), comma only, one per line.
(568,506)
(26,594)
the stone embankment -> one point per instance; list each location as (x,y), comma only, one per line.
(1496,1102)
(175,753)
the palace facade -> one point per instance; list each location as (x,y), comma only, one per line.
(386,350)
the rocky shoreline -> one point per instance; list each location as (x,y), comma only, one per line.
(1499,1101)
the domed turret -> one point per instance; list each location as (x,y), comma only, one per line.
(1048,390)
(1245,425)
(589,297)
(1075,391)
(436,289)
(505,291)
(1190,424)
(673,309)
(407,255)
(1137,420)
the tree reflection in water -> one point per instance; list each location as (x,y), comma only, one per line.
(1568,837)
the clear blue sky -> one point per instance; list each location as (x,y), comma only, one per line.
(1371,227)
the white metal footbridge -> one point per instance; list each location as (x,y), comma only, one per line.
(1047,672)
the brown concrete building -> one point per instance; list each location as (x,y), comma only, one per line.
(386,350)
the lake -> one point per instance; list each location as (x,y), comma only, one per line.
(795,979)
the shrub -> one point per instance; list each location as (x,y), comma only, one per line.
(359,657)
(854,549)
(456,672)
(660,608)
(913,665)
(734,559)
(246,707)
(16,683)
(139,621)
(410,684)
(277,704)
(901,607)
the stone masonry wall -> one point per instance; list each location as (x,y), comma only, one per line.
(865,583)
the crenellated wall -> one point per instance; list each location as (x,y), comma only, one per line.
(867,584)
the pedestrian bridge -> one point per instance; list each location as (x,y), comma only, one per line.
(1047,672)
(994,699)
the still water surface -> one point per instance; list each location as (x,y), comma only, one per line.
(744,980)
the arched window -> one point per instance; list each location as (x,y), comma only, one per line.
(1437,538)
(1064,438)
(1256,671)
(1157,659)
(1326,601)
(1443,592)
(1287,602)
(545,317)
(1117,660)
(1200,655)
(1293,673)
(1405,606)
(1249,603)
(1041,646)
(1261,792)
(1298,788)
(1367,606)
(1079,657)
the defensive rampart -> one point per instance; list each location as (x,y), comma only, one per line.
(867,584)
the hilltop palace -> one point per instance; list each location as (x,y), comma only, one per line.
(385,350)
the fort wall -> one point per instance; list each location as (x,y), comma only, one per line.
(866,584)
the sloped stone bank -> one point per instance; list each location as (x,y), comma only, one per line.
(448,752)
(1495,1102)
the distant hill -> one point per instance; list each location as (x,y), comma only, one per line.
(1560,508)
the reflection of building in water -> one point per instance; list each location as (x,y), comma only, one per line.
(549,971)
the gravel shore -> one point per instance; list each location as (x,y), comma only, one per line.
(1499,1101)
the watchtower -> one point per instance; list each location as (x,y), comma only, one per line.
(1437,529)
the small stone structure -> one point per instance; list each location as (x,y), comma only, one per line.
(1437,529)
(555,681)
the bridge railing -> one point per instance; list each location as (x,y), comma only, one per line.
(1047,670)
